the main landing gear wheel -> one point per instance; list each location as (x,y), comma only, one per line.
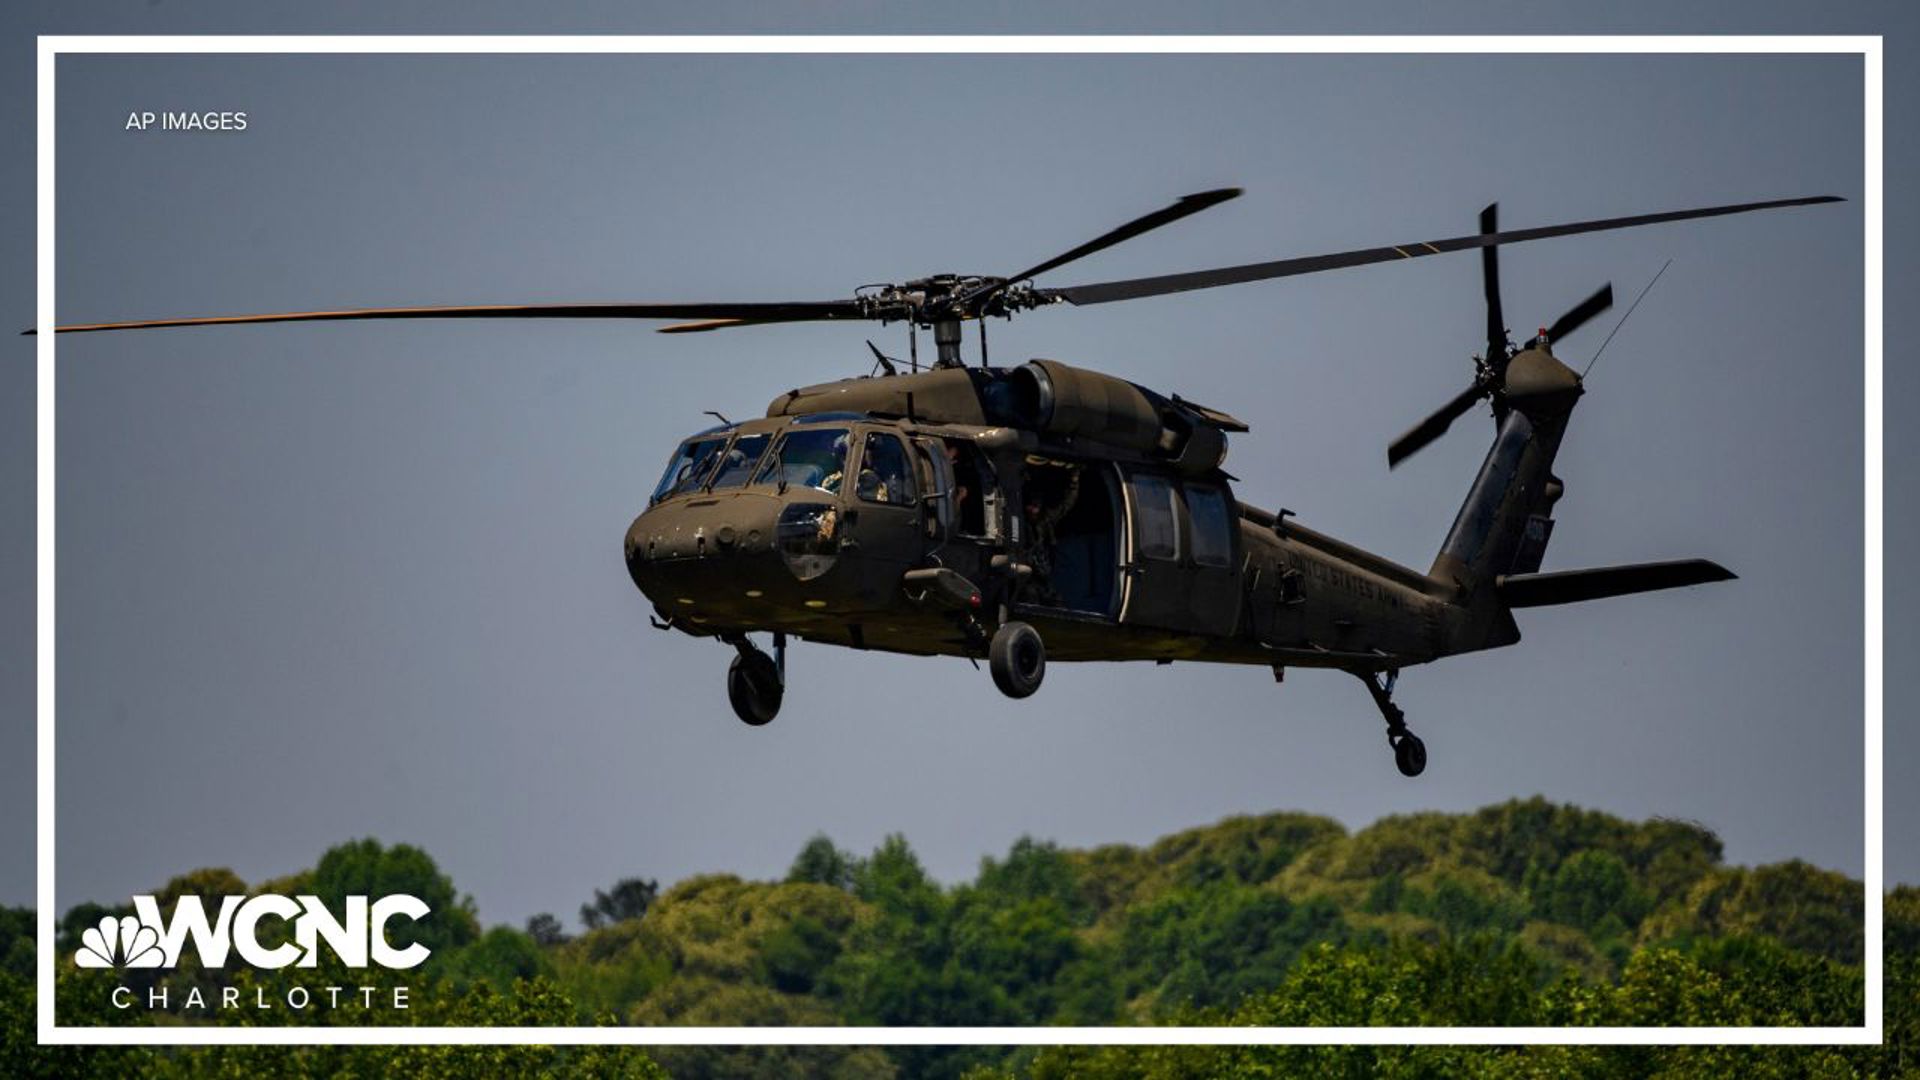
(1409,753)
(754,686)
(1017,658)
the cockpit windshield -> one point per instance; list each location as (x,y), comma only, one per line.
(808,457)
(739,461)
(689,466)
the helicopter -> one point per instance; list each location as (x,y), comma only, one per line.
(1045,511)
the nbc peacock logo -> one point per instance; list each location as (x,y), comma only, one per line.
(123,942)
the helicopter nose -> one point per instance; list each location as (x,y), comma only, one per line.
(699,553)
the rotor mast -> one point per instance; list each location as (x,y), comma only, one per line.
(946,339)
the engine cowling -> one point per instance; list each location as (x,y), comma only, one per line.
(1059,399)
(1063,400)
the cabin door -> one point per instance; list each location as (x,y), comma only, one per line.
(1179,568)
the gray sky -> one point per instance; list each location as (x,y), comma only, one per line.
(328,581)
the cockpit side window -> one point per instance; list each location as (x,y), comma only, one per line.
(885,474)
(689,465)
(808,457)
(737,465)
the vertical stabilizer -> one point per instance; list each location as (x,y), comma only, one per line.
(1507,518)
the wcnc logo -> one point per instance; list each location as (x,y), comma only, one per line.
(147,940)
(358,938)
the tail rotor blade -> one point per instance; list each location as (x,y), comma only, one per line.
(1433,426)
(1580,313)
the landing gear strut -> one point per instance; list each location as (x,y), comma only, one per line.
(755,681)
(1409,753)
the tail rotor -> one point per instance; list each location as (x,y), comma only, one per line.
(1492,380)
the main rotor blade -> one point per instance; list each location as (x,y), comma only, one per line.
(1105,292)
(704,325)
(1490,285)
(799,311)
(1187,204)
(1433,426)
(1580,313)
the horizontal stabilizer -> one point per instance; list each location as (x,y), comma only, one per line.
(1572,586)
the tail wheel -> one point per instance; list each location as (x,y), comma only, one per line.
(754,687)
(1018,659)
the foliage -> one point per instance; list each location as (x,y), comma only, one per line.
(629,899)
(1523,913)
(1478,982)
(498,958)
(546,930)
(1804,907)
(364,868)
(820,863)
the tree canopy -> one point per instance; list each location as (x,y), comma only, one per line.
(1524,913)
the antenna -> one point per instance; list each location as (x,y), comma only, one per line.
(1624,318)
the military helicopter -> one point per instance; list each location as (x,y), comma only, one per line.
(1017,514)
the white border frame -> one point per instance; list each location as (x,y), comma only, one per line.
(1867,47)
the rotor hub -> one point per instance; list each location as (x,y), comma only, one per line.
(929,301)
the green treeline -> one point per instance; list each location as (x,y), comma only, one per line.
(1525,913)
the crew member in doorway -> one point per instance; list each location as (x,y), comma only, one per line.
(1050,492)
(962,491)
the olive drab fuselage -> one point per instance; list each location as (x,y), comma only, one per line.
(1154,560)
